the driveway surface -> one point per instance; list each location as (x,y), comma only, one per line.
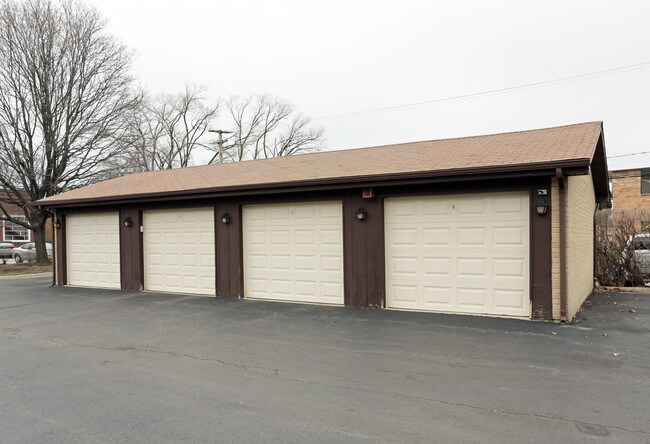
(79,365)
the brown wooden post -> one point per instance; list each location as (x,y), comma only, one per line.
(363,251)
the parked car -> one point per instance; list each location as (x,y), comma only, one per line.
(27,252)
(639,246)
(5,251)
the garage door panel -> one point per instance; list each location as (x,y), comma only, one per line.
(437,237)
(472,297)
(434,208)
(280,262)
(472,267)
(305,262)
(508,236)
(439,267)
(331,237)
(471,206)
(407,294)
(474,258)
(332,292)
(512,205)
(331,264)
(438,296)
(509,298)
(471,237)
(305,238)
(294,252)
(280,237)
(509,268)
(93,250)
(179,251)
(405,236)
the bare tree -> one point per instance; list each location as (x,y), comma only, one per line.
(617,262)
(64,88)
(165,131)
(265,126)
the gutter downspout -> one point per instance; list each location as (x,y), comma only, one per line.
(563,279)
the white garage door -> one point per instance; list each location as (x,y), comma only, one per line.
(93,250)
(294,252)
(459,254)
(179,251)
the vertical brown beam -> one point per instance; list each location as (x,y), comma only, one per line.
(131,250)
(228,250)
(541,254)
(363,252)
(61,260)
(125,249)
(138,251)
(54,248)
(562,187)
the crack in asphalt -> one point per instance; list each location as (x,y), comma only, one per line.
(29,303)
(283,375)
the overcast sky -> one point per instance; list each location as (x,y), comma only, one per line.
(338,57)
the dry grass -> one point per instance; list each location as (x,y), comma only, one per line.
(24,268)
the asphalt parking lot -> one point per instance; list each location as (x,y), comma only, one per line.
(79,365)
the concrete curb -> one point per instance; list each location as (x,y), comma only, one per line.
(24,276)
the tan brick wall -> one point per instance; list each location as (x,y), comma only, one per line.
(626,191)
(555,248)
(581,203)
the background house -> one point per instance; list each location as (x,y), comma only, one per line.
(15,233)
(631,194)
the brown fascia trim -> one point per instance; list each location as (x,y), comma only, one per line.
(599,169)
(570,167)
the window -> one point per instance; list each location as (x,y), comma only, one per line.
(645,181)
(641,243)
(14,232)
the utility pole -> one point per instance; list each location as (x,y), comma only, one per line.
(220,134)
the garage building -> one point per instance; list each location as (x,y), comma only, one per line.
(496,225)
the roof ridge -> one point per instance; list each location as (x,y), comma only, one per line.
(558,144)
(316,153)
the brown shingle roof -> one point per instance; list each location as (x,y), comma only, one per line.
(524,150)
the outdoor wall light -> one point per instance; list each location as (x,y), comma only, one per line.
(541,208)
(225,218)
(128,222)
(57,223)
(361,214)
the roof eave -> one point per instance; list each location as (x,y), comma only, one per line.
(451,175)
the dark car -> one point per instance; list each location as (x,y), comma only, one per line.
(5,251)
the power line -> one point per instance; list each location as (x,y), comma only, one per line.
(629,154)
(593,74)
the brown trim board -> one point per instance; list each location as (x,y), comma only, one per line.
(131,254)
(60,252)
(574,166)
(364,256)
(228,249)
(541,266)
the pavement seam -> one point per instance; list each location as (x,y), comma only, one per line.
(276,372)
(27,304)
